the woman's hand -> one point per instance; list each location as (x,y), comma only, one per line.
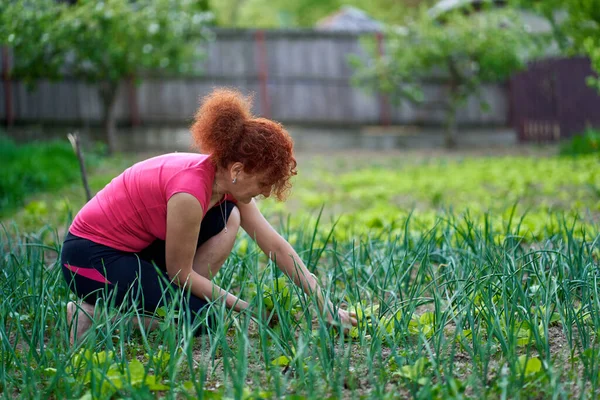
(347,319)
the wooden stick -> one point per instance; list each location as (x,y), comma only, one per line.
(74,139)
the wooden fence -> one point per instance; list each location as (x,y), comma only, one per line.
(298,77)
(551,100)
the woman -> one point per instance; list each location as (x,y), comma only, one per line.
(181,212)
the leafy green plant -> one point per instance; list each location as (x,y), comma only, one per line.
(457,311)
(587,142)
(555,13)
(35,167)
(583,27)
(575,26)
(103,42)
(464,51)
(451,304)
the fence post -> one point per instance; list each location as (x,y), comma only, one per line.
(134,112)
(263,73)
(384,103)
(8,98)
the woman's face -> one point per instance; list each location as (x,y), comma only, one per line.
(249,186)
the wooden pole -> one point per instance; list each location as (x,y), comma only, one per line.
(74,139)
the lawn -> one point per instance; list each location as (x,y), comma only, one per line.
(474,276)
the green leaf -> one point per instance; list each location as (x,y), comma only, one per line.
(103,357)
(161,359)
(523,336)
(161,312)
(363,312)
(354,333)
(115,376)
(530,366)
(188,386)
(136,372)
(427,318)
(414,372)
(153,385)
(282,361)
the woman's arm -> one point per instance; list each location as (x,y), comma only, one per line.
(279,250)
(184,216)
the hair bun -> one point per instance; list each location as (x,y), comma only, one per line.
(219,122)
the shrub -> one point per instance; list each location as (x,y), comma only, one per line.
(32,168)
(586,143)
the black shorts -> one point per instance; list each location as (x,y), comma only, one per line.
(95,271)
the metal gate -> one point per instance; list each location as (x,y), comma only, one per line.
(551,100)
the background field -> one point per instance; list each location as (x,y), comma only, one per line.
(474,273)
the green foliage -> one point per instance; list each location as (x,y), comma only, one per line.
(576,31)
(553,11)
(102,40)
(583,27)
(587,142)
(467,51)
(302,13)
(376,196)
(114,39)
(449,305)
(34,168)
(446,312)
(27,26)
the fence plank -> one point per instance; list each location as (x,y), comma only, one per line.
(308,82)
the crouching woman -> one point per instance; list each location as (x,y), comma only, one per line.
(176,216)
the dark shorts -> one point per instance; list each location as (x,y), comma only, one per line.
(94,271)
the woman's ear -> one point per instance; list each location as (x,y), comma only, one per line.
(235,170)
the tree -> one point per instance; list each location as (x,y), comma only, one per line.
(554,12)
(577,31)
(466,51)
(583,27)
(303,13)
(25,27)
(105,42)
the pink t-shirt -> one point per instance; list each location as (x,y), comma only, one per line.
(131,211)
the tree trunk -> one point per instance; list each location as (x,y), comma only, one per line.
(450,137)
(108,93)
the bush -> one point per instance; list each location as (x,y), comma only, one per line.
(586,143)
(32,168)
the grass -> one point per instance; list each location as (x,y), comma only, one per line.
(445,314)
(57,208)
(455,305)
(35,167)
(587,142)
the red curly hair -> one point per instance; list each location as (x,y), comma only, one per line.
(225,128)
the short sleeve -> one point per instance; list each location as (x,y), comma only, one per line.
(186,181)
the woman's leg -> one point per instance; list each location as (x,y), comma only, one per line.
(79,319)
(94,271)
(211,254)
(214,244)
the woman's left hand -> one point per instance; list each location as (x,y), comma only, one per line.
(347,319)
